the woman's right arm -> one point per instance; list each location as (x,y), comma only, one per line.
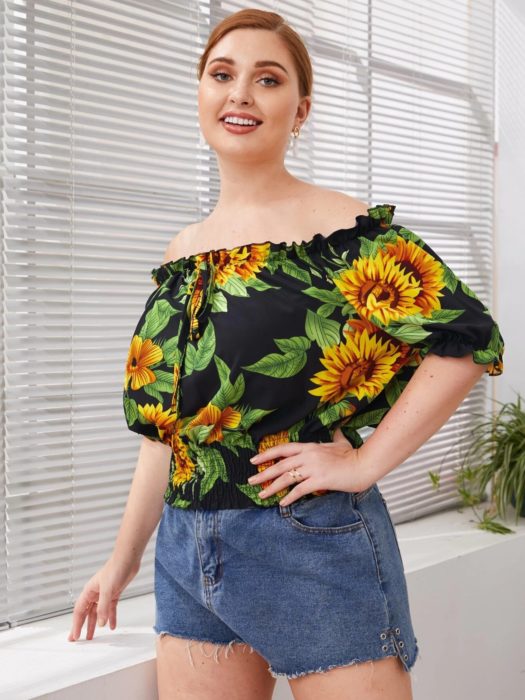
(145,503)
(99,597)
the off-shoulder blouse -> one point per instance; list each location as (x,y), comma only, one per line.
(240,349)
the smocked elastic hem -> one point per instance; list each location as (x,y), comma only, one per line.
(343,664)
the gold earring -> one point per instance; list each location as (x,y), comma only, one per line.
(296,130)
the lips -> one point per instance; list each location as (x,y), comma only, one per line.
(241,115)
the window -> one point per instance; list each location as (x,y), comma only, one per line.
(102,165)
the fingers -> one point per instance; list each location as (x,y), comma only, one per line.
(285,449)
(92,621)
(275,470)
(113,614)
(286,480)
(80,611)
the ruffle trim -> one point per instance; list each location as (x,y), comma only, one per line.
(380,215)
(452,345)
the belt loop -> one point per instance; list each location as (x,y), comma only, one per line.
(285,511)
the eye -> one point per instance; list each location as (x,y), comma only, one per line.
(214,75)
(269,77)
(265,77)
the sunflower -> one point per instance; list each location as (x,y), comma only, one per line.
(426,269)
(398,282)
(164,420)
(406,351)
(361,366)
(184,465)
(142,354)
(243,261)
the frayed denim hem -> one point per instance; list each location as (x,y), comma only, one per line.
(343,664)
(214,652)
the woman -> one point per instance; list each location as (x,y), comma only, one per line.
(261,351)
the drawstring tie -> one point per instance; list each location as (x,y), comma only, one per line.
(197,310)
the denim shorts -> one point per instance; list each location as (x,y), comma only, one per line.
(309,586)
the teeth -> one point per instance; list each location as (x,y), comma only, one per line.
(237,120)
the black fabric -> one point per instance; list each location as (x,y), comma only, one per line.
(240,349)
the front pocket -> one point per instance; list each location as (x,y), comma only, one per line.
(329,514)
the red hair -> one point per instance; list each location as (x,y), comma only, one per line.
(261,19)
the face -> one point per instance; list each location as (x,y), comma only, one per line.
(232,82)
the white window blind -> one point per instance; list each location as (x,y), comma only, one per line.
(102,165)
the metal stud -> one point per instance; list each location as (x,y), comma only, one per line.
(405,656)
(382,635)
(384,647)
(401,644)
(398,630)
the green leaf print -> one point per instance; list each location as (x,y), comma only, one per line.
(441,316)
(405,332)
(449,278)
(171,352)
(253,493)
(157,319)
(259,285)
(324,295)
(290,268)
(325,332)
(326,310)
(369,248)
(494,343)
(178,502)
(362,420)
(130,410)
(483,357)
(411,236)
(152,390)
(198,433)
(219,302)
(205,348)
(279,366)
(468,291)
(254,415)
(282,366)
(236,287)
(296,343)
(163,381)
(330,413)
(213,468)
(228,394)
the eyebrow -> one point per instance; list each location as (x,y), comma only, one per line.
(257,64)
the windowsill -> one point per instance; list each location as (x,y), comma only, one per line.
(37,658)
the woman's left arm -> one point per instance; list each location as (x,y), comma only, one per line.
(434,392)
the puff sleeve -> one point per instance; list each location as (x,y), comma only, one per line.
(402,286)
(148,372)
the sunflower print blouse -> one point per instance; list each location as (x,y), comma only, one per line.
(241,349)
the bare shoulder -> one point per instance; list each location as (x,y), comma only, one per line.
(340,203)
(176,247)
(335,209)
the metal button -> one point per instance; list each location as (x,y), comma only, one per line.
(382,635)
(401,644)
(384,647)
(397,630)
(405,656)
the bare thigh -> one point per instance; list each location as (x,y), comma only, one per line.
(193,670)
(381,679)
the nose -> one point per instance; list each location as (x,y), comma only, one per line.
(240,94)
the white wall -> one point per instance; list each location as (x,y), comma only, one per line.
(509,296)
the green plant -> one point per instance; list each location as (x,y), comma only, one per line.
(496,455)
